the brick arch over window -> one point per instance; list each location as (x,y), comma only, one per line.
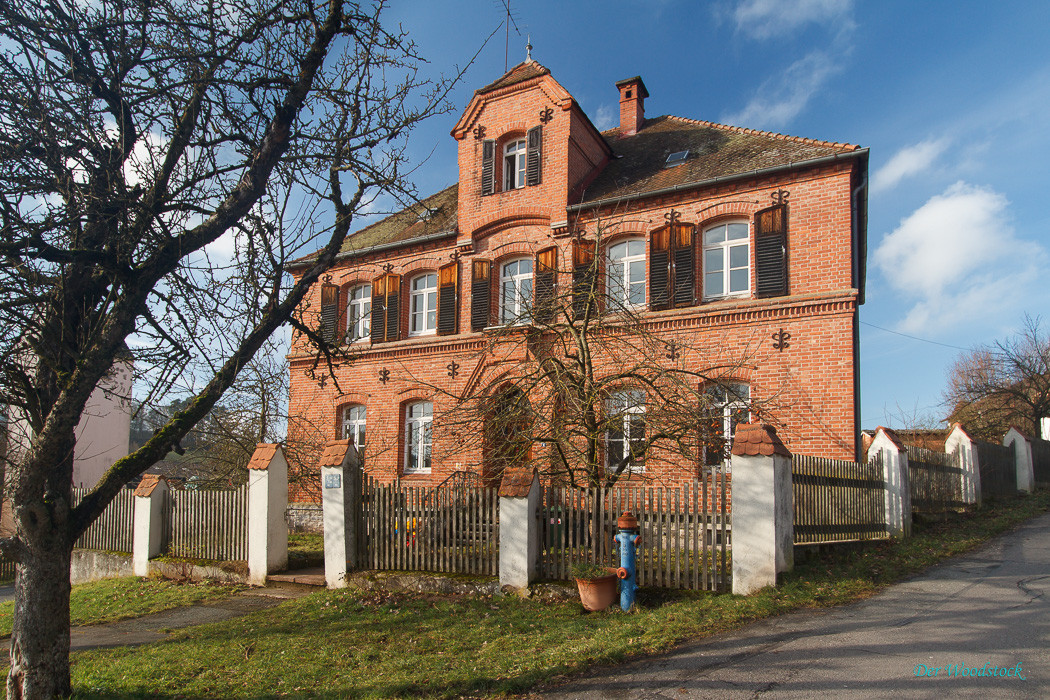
(728,210)
(513,217)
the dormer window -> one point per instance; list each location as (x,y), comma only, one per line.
(514,164)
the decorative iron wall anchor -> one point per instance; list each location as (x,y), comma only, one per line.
(780,340)
(384,375)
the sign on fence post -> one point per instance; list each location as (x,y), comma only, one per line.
(1022,448)
(763,518)
(149,521)
(895,477)
(267,501)
(961,445)
(519,531)
(341,502)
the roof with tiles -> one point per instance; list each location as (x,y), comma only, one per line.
(264,452)
(639,163)
(753,439)
(894,438)
(518,74)
(148,483)
(517,481)
(334,453)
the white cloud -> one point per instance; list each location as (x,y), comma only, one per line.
(907,162)
(782,97)
(606,117)
(957,259)
(761,19)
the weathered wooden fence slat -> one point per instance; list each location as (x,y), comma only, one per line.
(998,471)
(837,500)
(111,531)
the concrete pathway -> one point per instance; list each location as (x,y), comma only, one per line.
(918,639)
(151,628)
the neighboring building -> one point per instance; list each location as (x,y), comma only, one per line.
(753,241)
(103,431)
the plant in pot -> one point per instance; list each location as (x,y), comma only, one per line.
(597,584)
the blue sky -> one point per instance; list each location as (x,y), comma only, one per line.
(952,99)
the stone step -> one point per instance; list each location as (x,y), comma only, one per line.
(312,578)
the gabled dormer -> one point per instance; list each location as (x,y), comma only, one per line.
(526,151)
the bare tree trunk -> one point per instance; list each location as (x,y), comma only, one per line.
(40,637)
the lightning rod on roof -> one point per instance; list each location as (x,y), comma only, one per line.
(528,49)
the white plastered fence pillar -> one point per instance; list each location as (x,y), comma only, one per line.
(959,443)
(267,502)
(147,533)
(519,532)
(341,503)
(1022,448)
(895,478)
(763,516)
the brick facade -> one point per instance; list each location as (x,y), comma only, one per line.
(591,182)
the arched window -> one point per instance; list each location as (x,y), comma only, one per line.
(727,407)
(354,425)
(515,281)
(359,313)
(727,260)
(625,274)
(419,417)
(625,432)
(514,164)
(422,317)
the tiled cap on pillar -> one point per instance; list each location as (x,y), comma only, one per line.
(264,452)
(893,437)
(334,453)
(754,439)
(516,482)
(148,484)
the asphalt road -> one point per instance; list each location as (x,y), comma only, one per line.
(985,610)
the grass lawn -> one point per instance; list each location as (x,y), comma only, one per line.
(305,549)
(122,598)
(376,645)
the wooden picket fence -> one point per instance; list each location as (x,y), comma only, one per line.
(838,501)
(1041,462)
(111,531)
(998,471)
(209,525)
(685,531)
(452,528)
(7,569)
(935,480)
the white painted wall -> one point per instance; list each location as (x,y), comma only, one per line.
(103,433)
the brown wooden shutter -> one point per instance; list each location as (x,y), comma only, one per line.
(534,156)
(488,166)
(683,266)
(582,275)
(329,313)
(660,269)
(480,294)
(771,252)
(448,308)
(546,278)
(393,306)
(378,322)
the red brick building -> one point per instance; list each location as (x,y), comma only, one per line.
(750,243)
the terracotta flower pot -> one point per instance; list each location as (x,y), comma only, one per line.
(598,593)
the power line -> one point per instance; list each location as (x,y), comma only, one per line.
(913,337)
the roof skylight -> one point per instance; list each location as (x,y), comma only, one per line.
(676,158)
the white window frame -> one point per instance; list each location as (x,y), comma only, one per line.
(354,424)
(419,422)
(359,313)
(518,309)
(624,406)
(724,248)
(422,305)
(515,161)
(619,294)
(736,398)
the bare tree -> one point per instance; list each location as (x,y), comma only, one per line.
(590,392)
(1004,384)
(162,162)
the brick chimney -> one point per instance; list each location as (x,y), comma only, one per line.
(632,105)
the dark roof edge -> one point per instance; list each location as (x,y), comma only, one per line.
(860,152)
(346,255)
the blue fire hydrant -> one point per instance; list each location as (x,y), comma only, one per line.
(628,539)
